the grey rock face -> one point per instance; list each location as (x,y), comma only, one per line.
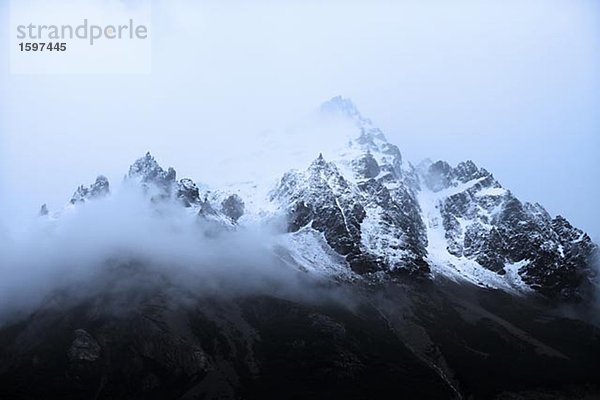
(233,207)
(441,175)
(367,166)
(486,223)
(188,192)
(438,176)
(375,228)
(149,172)
(372,217)
(323,198)
(43,210)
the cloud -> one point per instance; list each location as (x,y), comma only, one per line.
(125,242)
(512,86)
(488,82)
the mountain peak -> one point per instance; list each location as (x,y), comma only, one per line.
(147,169)
(339,105)
(319,163)
(99,188)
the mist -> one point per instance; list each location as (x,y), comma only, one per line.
(231,95)
(125,244)
(512,86)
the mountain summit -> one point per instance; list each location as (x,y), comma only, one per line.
(387,219)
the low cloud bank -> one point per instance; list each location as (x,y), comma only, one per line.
(125,242)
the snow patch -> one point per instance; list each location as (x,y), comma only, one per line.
(443,263)
(492,191)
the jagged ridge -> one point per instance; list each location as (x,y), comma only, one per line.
(388,219)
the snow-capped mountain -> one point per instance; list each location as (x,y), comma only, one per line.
(476,226)
(385,219)
(455,222)
(356,276)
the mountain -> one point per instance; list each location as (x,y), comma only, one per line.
(387,280)
(387,218)
(433,220)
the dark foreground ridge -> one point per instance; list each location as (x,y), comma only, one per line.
(444,341)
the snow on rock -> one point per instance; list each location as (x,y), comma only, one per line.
(363,213)
(147,170)
(99,188)
(188,192)
(307,250)
(478,228)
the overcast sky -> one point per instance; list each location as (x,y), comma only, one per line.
(514,86)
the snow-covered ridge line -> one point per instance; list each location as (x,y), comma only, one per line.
(382,218)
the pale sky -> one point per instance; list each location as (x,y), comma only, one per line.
(512,85)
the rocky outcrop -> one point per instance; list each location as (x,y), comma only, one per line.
(43,210)
(322,198)
(153,178)
(374,223)
(484,222)
(233,207)
(98,189)
(188,192)
(367,204)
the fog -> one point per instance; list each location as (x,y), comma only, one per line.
(513,86)
(125,243)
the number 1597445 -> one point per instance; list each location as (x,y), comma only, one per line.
(42,46)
